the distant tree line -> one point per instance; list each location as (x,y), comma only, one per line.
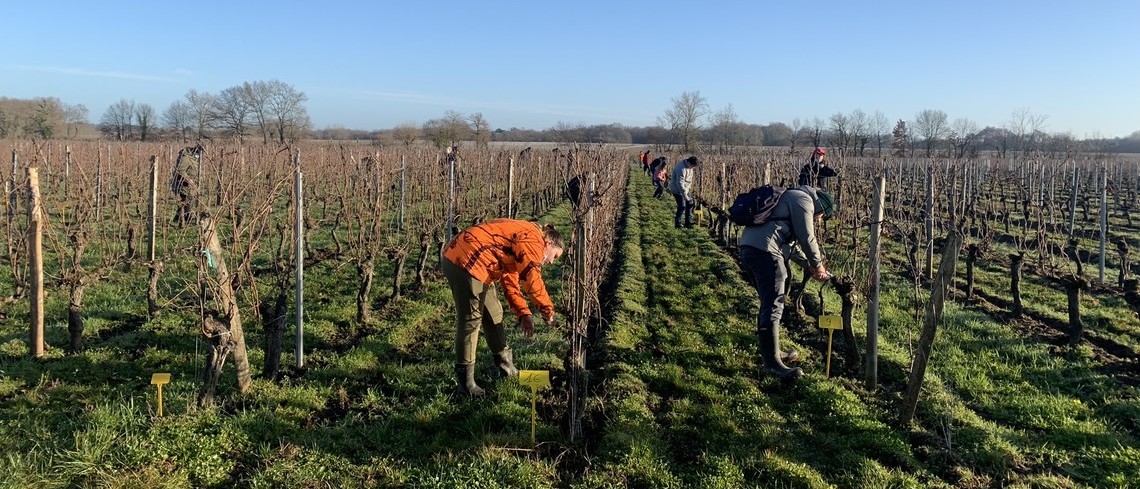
(40,118)
(275,111)
(266,110)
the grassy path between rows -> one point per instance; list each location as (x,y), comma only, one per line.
(686,407)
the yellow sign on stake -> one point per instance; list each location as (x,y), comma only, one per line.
(160,380)
(830,323)
(536,379)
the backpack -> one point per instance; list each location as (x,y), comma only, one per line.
(753,207)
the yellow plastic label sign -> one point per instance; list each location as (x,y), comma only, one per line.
(831,322)
(536,379)
(160,380)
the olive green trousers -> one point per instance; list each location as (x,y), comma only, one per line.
(475,304)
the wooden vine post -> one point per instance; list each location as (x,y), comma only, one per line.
(299,258)
(221,326)
(929,220)
(942,281)
(580,321)
(1073,200)
(403,187)
(151,224)
(871,379)
(36,262)
(451,196)
(1103,219)
(511,188)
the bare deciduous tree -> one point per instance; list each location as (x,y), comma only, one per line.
(202,108)
(860,127)
(841,131)
(448,130)
(116,121)
(815,131)
(232,110)
(879,128)
(179,117)
(287,110)
(480,128)
(931,126)
(963,137)
(1025,128)
(683,118)
(257,95)
(726,130)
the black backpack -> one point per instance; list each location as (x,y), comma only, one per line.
(755,206)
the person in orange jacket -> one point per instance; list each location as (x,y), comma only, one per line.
(511,253)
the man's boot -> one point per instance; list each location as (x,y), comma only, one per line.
(505,360)
(465,374)
(769,356)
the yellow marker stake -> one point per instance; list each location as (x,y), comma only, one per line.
(830,323)
(536,379)
(160,380)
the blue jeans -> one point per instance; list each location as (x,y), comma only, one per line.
(768,276)
(683,207)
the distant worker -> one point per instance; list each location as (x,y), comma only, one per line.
(658,169)
(816,169)
(509,252)
(682,188)
(645,162)
(789,233)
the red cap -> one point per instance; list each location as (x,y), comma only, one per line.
(819,151)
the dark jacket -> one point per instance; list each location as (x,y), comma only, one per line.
(812,172)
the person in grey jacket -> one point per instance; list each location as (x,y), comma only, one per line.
(682,188)
(788,234)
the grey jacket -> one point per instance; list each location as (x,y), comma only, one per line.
(682,183)
(790,231)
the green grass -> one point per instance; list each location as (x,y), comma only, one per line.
(676,401)
(379,412)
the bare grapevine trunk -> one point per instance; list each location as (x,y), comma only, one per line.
(1015,263)
(152,288)
(74,314)
(220,345)
(273,318)
(365,271)
(971,259)
(845,287)
(401,256)
(1122,252)
(1073,288)
(421,266)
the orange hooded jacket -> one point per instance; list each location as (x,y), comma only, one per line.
(507,251)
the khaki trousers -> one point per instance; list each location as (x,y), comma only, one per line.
(475,304)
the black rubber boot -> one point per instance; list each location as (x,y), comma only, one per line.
(465,374)
(769,356)
(505,360)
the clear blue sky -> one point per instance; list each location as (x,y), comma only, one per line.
(373,65)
